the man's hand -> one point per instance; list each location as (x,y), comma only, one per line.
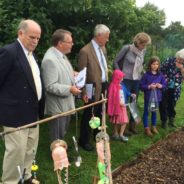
(74,90)
(85,98)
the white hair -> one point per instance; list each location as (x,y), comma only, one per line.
(25,23)
(180,54)
(101,29)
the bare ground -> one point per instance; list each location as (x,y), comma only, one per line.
(163,163)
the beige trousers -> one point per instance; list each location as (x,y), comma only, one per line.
(20,150)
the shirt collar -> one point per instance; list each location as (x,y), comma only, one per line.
(24,49)
(95,44)
(58,52)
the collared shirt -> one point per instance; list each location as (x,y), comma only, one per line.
(59,52)
(35,70)
(101,58)
(65,60)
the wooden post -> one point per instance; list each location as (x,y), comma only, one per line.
(109,173)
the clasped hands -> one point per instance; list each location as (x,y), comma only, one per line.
(155,85)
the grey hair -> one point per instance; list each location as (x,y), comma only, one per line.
(23,25)
(180,54)
(101,29)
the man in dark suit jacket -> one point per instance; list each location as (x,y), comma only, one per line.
(94,57)
(20,95)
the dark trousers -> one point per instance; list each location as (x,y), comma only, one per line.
(133,87)
(167,105)
(85,130)
(58,128)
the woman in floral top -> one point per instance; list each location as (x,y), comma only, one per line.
(173,70)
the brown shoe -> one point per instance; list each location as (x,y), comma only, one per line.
(154,130)
(148,132)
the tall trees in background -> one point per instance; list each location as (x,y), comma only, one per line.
(80,17)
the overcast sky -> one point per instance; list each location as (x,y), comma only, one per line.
(173,9)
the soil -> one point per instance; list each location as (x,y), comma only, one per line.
(163,163)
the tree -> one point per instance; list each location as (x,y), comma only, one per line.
(11,12)
(151,19)
(80,17)
(174,35)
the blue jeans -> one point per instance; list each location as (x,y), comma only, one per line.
(145,116)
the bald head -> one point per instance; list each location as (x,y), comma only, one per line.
(29,33)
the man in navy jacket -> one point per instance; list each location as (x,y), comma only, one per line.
(20,98)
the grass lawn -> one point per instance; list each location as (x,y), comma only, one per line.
(120,152)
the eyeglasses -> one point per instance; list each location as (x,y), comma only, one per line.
(180,60)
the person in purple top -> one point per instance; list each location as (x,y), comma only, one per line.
(153,79)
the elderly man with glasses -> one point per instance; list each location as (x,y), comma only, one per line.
(58,77)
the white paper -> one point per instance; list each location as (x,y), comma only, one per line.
(89,91)
(80,79)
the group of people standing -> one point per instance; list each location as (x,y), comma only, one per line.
(161,84)
(27,92)
(130,60)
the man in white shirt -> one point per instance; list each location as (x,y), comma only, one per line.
(93,56)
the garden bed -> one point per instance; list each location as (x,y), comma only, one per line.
(163,163)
